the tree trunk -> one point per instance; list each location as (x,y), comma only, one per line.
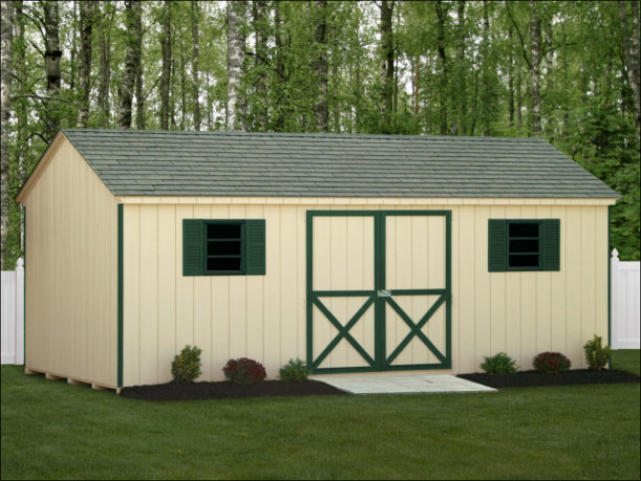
(105,63)
(195,53)
(259,14)
(535,73)
(52,67)
(87,17)
(129,78)
(387,73)
(140,96)
(441,14)
(165,77)
(461,78)
(416,80)
(235,58)
(510,77)
(74,46)
(321,67)
(630,48)
(6,39)
(183,87)
(279,120)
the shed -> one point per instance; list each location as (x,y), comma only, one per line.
(352,252)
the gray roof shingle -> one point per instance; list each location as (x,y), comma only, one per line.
(166,163)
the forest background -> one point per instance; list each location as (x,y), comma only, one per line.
(564,71)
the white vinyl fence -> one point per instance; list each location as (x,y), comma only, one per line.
(13,315)
(624,303)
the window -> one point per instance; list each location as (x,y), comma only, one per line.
(523,245)
(223,247)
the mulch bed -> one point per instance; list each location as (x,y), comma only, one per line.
(225,390)
(567,378)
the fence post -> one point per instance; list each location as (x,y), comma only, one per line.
(20,311)
(614,302)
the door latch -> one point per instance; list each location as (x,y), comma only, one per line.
(384,293)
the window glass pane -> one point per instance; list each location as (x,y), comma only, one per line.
(223,264)
(223,231)
(517,246)
(524,260)
(223,248)
(524,230)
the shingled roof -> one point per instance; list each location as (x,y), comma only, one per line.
(165,163)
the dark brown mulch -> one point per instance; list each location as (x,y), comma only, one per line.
(225,389)
(567,378)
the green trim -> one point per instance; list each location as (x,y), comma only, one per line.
(380,362)
(608,257)
(310,268)
(120,294)
(24,285)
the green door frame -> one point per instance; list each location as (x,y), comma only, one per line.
(380,362)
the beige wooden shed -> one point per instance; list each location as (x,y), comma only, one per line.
(352,252)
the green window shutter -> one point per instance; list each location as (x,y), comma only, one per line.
(193,247)
(255,246)
(550,244)
(497,245)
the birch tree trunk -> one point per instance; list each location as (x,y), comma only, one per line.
(52,67)
(279,120)
(87,18)
(6,38)
(321,67)
(140,96)
(535,72)
(235,58)
(260,21)
(165,78)
(195,53)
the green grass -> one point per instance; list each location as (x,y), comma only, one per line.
(53,430)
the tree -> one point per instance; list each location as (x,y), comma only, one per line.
(235,58)
(132,61)
(6,39)
(52,55)
(195,53)
(320,65)
(165,78)
(87,18)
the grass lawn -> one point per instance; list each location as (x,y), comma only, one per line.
(54,430)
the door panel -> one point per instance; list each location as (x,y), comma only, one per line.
(378,290)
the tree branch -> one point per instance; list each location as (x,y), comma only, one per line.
(518,32)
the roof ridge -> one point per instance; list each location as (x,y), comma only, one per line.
(227,133)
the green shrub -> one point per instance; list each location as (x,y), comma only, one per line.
(186,365)
(596,354)
(244,371)
(551,362)
(500,363)
(294,371)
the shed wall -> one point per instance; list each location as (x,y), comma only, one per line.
(70,271)
(263,317)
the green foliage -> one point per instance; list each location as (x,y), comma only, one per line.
(596,354)
(244,371)
(551,362)
(500,363)
(186,365)
(294,371)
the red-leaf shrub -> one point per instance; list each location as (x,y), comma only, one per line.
(244,371)
(551,362)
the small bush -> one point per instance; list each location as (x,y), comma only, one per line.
(244,371)
(551,362)
(294,371)
(596,354)
(500,363)
(186,365)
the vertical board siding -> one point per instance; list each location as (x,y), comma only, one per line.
(264,317)
(71,279)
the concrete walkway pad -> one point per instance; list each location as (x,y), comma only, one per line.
(396,383)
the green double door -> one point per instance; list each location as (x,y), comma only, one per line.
(378,290)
